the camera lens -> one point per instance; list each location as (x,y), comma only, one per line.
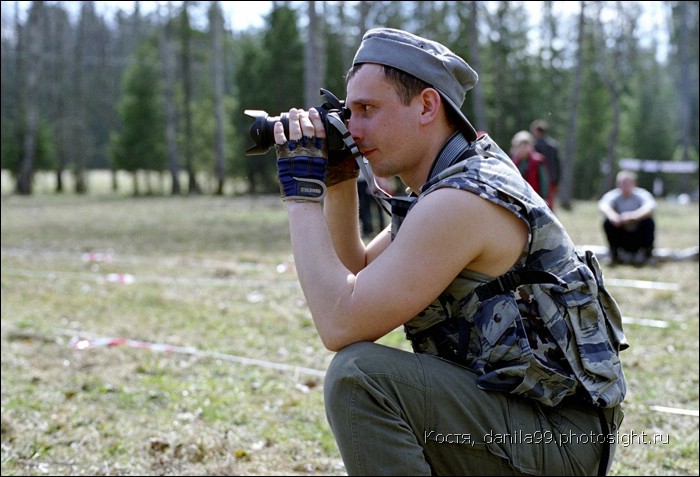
(262,131)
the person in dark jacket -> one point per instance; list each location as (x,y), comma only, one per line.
(549,148)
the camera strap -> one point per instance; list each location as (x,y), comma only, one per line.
(379,194)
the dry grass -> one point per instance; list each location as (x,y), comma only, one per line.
(215,277)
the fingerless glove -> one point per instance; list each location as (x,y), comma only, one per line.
(301,169)
(341,167)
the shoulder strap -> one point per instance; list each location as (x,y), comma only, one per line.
(444,162)
(510,281)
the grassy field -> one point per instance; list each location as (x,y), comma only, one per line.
(239,391)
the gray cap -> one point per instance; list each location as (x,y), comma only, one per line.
(427,60)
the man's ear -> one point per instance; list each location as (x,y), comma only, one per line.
(431,102)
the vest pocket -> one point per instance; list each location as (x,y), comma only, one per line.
(505,359)
(594,331)
(502,334)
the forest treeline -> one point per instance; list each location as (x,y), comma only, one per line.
(164,91)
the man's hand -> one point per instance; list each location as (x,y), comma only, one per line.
(342,167)
(301,159)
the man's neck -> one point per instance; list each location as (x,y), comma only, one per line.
(431,158)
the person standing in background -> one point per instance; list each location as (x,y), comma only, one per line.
(369,206)
(365,207)
(549,148)
(531,164)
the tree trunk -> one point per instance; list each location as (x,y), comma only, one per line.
(33,38)
(80,131)
(216,22)
(314,57)
(480,121)
(570,145)
(186,35)
(685,112)
(167,58)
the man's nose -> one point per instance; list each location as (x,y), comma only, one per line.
(354,129)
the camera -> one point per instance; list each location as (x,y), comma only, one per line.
(262,129)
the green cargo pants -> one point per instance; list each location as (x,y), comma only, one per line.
(399,413)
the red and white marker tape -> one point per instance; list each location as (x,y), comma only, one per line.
(78,343)
(122,278)
(92,257)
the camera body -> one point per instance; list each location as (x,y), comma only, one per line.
(262,129)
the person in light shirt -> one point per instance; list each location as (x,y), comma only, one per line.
(629,220)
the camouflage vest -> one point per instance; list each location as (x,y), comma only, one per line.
(547,329)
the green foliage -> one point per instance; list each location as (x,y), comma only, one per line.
(685,59)
(284,66)
(335,64)
(140,145)
(270,81)
(253,85)
(650,123)
(13,148)
(508,74)
(593,130)
(390,14)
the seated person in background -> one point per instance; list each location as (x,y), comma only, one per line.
(629,223)
(531,164)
